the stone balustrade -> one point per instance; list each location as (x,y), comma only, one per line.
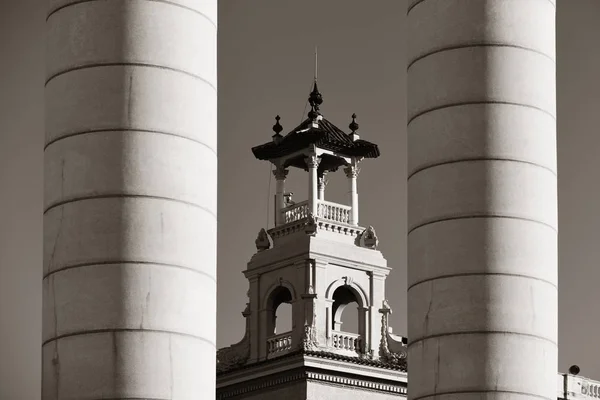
(346,341)
(295,212)
(279,343)
(334,212)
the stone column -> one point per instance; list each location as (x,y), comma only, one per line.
(351,173)
(321,186)
(313,163)
(482,201)
(280,175)
(130,201)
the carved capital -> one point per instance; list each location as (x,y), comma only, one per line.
(322,183)
(312,161)
(351,171)
(280,173)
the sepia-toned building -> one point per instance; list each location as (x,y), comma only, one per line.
(320,260)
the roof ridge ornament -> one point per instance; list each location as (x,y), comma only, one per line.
(277,128)
(353,125)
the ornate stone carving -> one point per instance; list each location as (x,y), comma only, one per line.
(311,224)
(262,241)
(323,181)
(280,173)
(369,238)
(384,350)
(351,171)
(309,339)
(312,161)
(348,280)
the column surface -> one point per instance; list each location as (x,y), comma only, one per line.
(482,200)
(130,200)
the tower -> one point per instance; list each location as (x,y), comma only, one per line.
(129,293)
(482,241)
(318,259)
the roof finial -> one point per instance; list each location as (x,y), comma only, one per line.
(353,125)
(277,128)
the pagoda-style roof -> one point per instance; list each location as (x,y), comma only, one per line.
(326,136)
(319,132)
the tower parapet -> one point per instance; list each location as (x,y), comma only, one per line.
(320,260)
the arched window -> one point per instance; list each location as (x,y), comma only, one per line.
(345,310)
(280,311)
(283,318)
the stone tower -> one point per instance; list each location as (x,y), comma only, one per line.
(318,259)
(129,293)
(482,241)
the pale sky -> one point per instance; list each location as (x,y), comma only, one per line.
(265,68)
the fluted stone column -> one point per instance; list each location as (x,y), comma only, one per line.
(130,200)
(482,241)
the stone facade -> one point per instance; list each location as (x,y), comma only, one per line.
(318,259)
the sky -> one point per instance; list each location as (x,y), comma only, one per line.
(266,65)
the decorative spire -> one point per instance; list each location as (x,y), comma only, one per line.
(315,100)
(277,128)
(353,125)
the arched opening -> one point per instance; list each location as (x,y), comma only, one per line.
(283,318)
(280,310)
(345,310)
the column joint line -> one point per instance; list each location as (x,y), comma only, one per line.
(463,274)
(481,102)
(129,196)
(439,335)
(117,262)
(476,159)
(539,396)
(474,45)
(129,64)
(122,130)
(126,330)
(443,219)
(166,2)
(421,1)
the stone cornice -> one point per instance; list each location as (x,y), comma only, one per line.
(306,374)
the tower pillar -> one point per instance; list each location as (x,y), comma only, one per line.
(130,201)
(352,173)
(482,199)
(280,175)
(313,191)
(321,186)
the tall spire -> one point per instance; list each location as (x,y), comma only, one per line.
(315,99)
(316,63)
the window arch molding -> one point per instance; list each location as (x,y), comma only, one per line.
(269,294)
(359,293)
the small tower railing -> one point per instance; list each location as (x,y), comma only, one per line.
(279,343)
(334,212)
(325,209)
(295,212)
(351,342)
